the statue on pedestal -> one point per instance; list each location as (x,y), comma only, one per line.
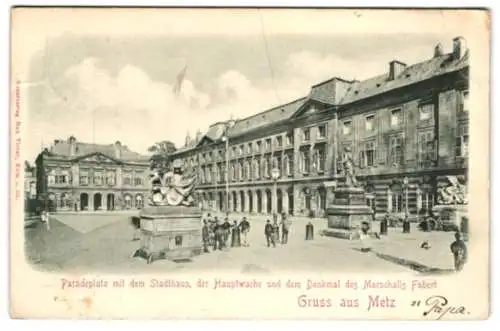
(173,188)
(348,168)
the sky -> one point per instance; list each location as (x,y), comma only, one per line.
(107,87)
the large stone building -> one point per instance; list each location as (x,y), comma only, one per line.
(74,175)
(407,129)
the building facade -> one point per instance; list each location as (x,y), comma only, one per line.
(79,176)
(407,130)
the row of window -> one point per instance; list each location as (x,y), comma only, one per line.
(248,170)
(315,161)
(265,145)
(98,178)
(427,148)
(425,115)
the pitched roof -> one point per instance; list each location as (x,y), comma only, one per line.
(62,150)
(272,115)
(411,75)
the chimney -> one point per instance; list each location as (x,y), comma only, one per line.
(395,69)
(438,50)
(118,150)
(199,135)
(459,47)
(72,145)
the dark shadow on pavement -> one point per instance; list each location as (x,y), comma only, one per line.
(420,268)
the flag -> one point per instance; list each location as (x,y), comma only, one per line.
(178,84)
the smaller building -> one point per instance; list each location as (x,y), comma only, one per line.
(79,176)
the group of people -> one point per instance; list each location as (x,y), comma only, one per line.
(219,235)
(216,234)
(272,231)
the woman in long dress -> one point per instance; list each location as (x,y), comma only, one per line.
(235,235)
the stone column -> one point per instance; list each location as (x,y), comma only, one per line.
(247,202)
(254,202)
(264,202)
(274,199)
(297,199)
(284,202)
(238,202)
(231,202)
(104,201)
(91,202)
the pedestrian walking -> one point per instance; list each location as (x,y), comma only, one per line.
(245,228)
(309,231)
(384,223)
(459,251)
(205,234)
(285,228)
(268,231)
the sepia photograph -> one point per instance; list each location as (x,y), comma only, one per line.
(252,142)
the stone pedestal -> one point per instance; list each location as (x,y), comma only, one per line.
(347,213)
(170,232)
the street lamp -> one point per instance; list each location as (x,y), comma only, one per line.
(275,175)
(405,183)
(226,140)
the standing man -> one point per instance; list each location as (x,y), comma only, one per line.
(245,228)
(406,224)
(285,228)
(459,251)
(268,231)
(384,223)
(219,242)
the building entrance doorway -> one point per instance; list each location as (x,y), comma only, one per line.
(97,201)
(84,201)
(110,201)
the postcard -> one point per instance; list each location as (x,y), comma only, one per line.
(249,163)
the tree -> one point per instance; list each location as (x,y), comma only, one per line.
(28,167)
(162,152)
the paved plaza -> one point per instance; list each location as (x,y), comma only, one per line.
(103,242)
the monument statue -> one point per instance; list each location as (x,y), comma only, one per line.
(170,224)
(173,188)
(348,214)
(454,193)
(348,168)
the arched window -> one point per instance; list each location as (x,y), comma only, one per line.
(139,201)
(128,201)
(256,169)
(233,172)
